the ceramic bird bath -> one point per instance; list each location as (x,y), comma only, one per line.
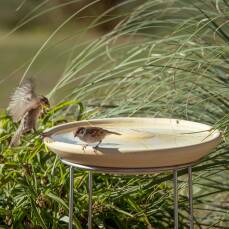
(145,145)
(144,142)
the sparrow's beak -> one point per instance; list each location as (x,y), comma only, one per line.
(47,105)
(75,133)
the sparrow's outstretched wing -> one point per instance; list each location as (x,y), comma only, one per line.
(22,100)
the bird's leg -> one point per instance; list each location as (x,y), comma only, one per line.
(98,144)
(84,147)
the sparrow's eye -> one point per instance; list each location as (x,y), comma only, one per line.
(45,102)
(82,131)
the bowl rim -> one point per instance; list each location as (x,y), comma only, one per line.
(53,130)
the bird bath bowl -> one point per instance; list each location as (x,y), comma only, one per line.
(143,143)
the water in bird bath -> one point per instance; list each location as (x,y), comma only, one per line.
(143,138)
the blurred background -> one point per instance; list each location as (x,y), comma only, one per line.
(25,25)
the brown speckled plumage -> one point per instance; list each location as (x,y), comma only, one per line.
(25,106)
(92,134)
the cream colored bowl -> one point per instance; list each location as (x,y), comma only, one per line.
(143,143)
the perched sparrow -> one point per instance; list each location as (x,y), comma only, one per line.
(25,106)
(92,134)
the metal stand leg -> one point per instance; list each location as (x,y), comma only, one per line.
(190,196)
(175,187)
(71,197)
(90,201)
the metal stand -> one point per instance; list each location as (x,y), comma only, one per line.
(90,200)
(71,197)
(125,171)
(190,197)
(175,188)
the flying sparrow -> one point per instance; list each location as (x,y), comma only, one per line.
(25,106)
(92,134)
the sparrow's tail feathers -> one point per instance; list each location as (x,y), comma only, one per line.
(111,132)
(16,138)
